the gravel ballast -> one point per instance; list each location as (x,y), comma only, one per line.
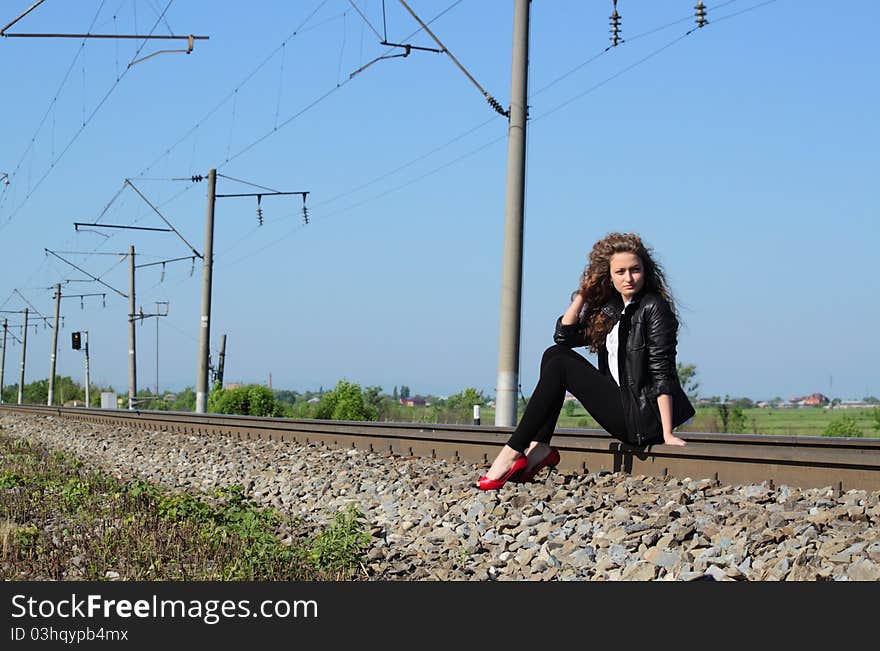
(429,521)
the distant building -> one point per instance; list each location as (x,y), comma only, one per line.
(413,402)
(232,385)
(812,400)
(854,404)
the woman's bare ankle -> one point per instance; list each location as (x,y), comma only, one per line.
(503,462)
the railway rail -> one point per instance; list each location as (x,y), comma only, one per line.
(802,461)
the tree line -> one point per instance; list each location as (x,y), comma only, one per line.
(346,401)
(349,401)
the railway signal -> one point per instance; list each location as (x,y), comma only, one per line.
(76,340)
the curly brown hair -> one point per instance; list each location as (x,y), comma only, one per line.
(597,289)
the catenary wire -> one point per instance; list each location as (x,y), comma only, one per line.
(79,132)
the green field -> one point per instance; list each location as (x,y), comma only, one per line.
(806,421)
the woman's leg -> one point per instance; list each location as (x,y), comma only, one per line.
(537,411)
(562,369)
(542,411)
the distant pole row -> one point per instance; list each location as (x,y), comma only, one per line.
(51,397)
(511,289)
(204,333)
(3,360)
(23,357)
(132,347)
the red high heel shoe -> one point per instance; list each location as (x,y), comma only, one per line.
(552,459)
(486,484)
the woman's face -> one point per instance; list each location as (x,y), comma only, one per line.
(627,274)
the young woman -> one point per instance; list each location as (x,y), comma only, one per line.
(624,312)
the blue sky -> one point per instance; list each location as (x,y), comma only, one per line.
(745,153)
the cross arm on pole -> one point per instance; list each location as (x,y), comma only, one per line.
(22,15)
(76,226)
(256,194)
(156,210)
(95,278)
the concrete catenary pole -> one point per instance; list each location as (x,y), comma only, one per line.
(205,323)
(222,361)
(157,350)
(132,348)
(3,360)
(511,276)
(51,397)
(88,394)
(23,357)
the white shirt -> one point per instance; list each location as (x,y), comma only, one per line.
(611,344)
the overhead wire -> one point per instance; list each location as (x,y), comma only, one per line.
(280,83)
(413,181)
(188,335)
(84,125)
(341,51)
(611,78)
(489,98)
(320,99)
(491,142)
(253,185)
(290,118)
(479,126)
(301,28)
(29,303)
(742,11)
(55,98)
(238,86)
(369,24)
(161,16)
(650,55)
(492,119)
(406,164)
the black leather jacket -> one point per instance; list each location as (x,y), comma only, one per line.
(646,358)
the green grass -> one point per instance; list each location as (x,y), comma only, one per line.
(60,521)
(807,421)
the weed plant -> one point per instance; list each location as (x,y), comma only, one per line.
(61,521)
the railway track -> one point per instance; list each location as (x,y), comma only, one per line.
(802,461)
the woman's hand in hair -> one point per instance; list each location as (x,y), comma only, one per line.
(574,309)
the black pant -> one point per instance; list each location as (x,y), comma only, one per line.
(563,369)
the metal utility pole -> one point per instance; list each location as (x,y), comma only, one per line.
(3,361)
(23,356)
(222,361)
(511,275)
(132,356)
(205,323)
(88,393)
(202,385)
(54,345)
(157,315)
